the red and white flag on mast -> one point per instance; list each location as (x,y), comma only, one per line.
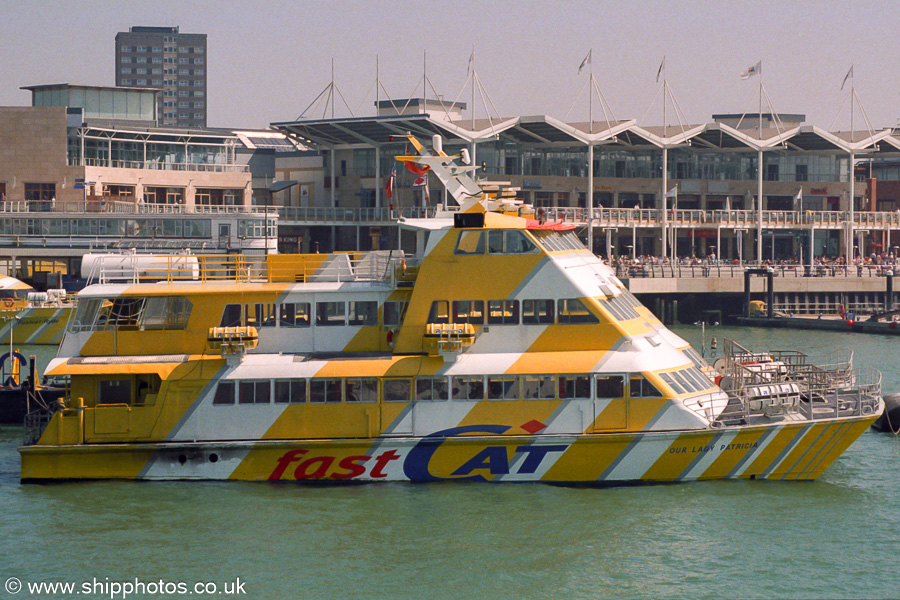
(389,188)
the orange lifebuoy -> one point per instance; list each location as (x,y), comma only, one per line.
(8,303)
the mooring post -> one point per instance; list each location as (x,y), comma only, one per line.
(747,276)
(889,291)
(770,284)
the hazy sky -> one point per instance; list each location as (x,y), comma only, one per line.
(269,59)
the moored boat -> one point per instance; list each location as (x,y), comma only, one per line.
(495,348)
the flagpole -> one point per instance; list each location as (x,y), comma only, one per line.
(850,251)
(473,87)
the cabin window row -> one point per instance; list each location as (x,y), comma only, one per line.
(153,313)
(432,389)
(495,241)
(511,312)
(304,314)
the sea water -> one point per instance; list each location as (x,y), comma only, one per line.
(838,537)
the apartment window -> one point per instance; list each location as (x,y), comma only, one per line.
(141,60)
(40,191)
(157,49)
(126,59)
(126,82)
(184,61)
(198,61)
(290,391)
(125,71)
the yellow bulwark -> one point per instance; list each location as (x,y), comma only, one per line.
(491,347)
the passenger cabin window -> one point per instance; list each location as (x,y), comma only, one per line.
(224,393)
(231,316)
(290,391)
(538,387)
(253,392)
(331,313)
(573,311)
(503,387)
(324,391)
(470,242)
(537,312)
(396,390)
(574,387)
(468,311)
(362,389)
(468,388)
(610,386)
(363,313)
(394,312)
(440,312)
(642,388)
(260,315)
(503,312)
(294,314)
(431,389)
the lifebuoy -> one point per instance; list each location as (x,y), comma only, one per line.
(8,303)
(392,336)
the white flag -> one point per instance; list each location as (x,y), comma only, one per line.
(673,193)
(751,71)
(847,76)
(798,200)
(587,60)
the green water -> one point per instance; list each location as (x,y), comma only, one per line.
(838,537)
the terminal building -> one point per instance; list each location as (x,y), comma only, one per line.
(817,188)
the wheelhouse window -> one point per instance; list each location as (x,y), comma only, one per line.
(114,391)
(470,242)
(510,241)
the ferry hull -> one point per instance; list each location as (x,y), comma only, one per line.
(795,451)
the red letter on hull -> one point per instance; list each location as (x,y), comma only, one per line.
(354,470)
(283,462)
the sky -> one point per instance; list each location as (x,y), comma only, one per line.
(268,60)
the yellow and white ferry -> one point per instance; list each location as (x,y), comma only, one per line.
(500,350)
(34,317)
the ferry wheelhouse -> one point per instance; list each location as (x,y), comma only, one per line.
(500,350)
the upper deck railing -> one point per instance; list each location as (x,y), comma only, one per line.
(124,205)
(154,165)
